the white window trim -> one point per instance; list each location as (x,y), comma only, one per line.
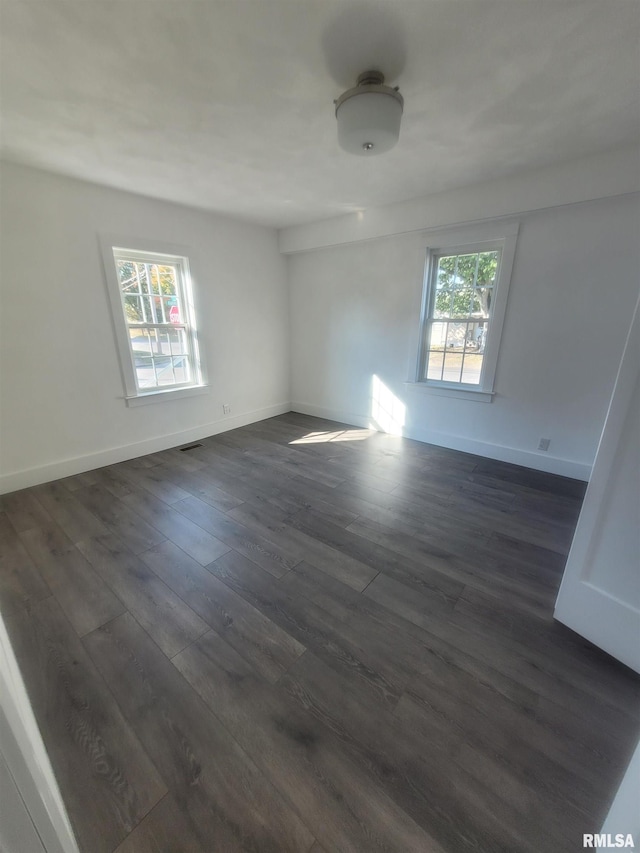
(157,396)
(133,396)
(500,234)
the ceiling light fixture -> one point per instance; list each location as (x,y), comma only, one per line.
(369,116)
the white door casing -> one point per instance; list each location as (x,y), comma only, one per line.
(599,597)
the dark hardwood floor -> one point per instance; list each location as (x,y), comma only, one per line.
(301,636)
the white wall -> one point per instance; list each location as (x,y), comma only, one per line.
(62,407)
(354,314)
(351,314)
(584,179)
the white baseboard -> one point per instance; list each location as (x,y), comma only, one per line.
(77,465)
(350,418)
(517,456)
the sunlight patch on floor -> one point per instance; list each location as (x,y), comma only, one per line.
(335,435)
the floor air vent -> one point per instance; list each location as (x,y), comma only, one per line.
(189,447)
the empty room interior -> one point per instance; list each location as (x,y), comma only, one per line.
(319,426)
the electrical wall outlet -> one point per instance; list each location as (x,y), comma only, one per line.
(544,444)
(226,409)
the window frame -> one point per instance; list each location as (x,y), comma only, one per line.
(145,251)
(484,237)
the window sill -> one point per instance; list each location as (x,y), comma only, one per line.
(478,396)
(169,394)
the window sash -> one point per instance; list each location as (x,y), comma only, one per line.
(467,354)
(140,356)
(147,292)
(470,353)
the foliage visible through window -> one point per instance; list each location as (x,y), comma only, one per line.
(153,291)
(456,326)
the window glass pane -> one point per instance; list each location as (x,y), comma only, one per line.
(142,277)
(153,340)
(452,365)
(487,268)
(454,351)
(437,336)
(163,279)
(178,341)
(456,334)
(164,371)
(152,316)
(462,303)
(435,350)
(442,306)
(140,343)
(146,308)
(434,364)
(477,302)
(172,310)
(158,307)
(133,309)
(446,269)
(154,278)
(484,297)
(162,337)
(145,373)
(181,369)
(160,357)
(477,336)
(127,277)
(466,270)
(472,367)
(168,280)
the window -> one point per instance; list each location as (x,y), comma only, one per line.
(154,318)
(461,294)
(463,308)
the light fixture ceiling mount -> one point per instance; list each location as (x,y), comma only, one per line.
(369,115)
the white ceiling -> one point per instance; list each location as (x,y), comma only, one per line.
(227,104)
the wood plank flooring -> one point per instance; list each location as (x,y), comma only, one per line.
(304,637)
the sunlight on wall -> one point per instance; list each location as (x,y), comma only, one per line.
(338,435)
(387,411)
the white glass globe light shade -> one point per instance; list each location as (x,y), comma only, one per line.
(369,115)
(369,122)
